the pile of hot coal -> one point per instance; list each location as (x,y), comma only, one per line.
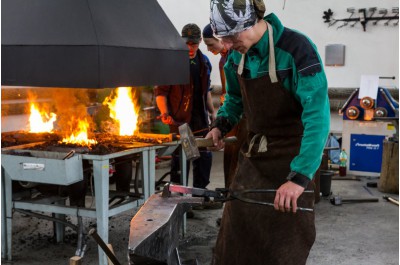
(22,137)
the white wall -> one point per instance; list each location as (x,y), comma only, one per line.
(375,51)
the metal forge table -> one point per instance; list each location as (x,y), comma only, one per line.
(13,165)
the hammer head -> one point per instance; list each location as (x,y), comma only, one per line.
(188,142)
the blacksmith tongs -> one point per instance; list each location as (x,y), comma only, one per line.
(223,195)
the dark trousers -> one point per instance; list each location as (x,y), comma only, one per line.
(201,169)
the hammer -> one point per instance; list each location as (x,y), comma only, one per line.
(191,145)
(390,199)
(337,200)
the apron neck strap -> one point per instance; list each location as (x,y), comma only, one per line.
(271,60)
(241,65)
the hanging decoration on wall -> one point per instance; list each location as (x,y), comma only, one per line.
(363,16)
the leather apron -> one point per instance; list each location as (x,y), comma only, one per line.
(258,234)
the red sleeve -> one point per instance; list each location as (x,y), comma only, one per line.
(162,90)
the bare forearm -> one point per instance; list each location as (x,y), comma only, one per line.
(162,104)
(210,105)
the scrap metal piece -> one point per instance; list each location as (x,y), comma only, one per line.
(154,230)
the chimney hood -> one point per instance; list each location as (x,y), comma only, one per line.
(90,44)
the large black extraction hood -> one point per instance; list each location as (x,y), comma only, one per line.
(90,44)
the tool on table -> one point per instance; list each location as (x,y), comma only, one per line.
(191,145)
(392,200)
(69,155)
(337,200)
(223,195)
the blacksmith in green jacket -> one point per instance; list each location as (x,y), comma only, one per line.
(275,77)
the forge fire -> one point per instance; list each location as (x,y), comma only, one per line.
(73,118)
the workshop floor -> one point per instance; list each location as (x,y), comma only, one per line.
(359,233)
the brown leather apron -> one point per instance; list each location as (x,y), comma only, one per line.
(231,151)
(258,234)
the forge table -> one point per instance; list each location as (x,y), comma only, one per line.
(102,210)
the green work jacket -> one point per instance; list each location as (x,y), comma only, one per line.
(300,70)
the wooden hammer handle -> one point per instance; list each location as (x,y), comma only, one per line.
(390,199)
(203,142)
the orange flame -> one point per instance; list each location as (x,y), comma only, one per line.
(80,135)
(123,110)
(40,121)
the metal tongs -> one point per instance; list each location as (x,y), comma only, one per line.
(223,195)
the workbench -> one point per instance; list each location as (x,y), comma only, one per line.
(102,211)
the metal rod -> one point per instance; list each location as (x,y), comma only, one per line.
(239,196)
(69,155)
(355,200)
(42,216)
(103,246)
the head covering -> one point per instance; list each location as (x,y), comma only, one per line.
(208,32)
(191,33)
(229,17)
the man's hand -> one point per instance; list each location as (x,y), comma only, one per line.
(167,119)
(286,197)
(215,134)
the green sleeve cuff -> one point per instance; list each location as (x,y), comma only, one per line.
(223,124)
(298,179)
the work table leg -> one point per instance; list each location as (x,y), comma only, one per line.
(101,185)
(144,166)
(6,223)
(152,171)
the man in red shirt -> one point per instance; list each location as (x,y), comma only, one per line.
(190,103)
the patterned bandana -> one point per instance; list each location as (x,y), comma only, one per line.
(229,17)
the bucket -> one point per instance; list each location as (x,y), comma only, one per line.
(325,182)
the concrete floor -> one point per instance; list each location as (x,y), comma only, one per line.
(358,233)
(363,233)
